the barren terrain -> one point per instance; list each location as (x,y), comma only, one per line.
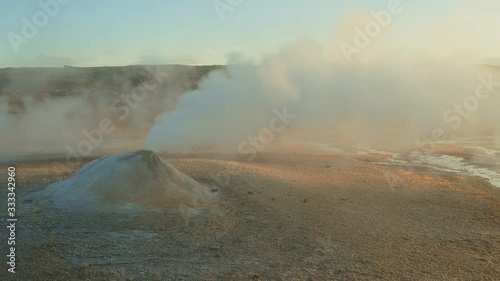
(283,217)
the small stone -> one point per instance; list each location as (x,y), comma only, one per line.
(250,218)
(344,199)
(85,266)
(304,201)
(250,193)
(214,248)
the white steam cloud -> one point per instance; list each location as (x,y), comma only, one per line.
(396,98)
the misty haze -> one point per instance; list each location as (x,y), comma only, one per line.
(250,140)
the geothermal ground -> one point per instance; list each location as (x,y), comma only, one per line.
(307,216)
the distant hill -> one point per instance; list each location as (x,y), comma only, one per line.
(43,83)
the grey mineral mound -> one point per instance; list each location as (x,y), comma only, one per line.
(132,180)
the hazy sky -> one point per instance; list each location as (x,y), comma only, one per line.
(121,32)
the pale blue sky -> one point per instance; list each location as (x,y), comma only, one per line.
(122,32)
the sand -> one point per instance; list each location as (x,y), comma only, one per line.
(282,217)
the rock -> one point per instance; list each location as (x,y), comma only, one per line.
(126,182)
(249,218)
(85,266)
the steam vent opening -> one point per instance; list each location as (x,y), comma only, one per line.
(129,180)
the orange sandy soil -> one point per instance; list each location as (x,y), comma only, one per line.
(282,217)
